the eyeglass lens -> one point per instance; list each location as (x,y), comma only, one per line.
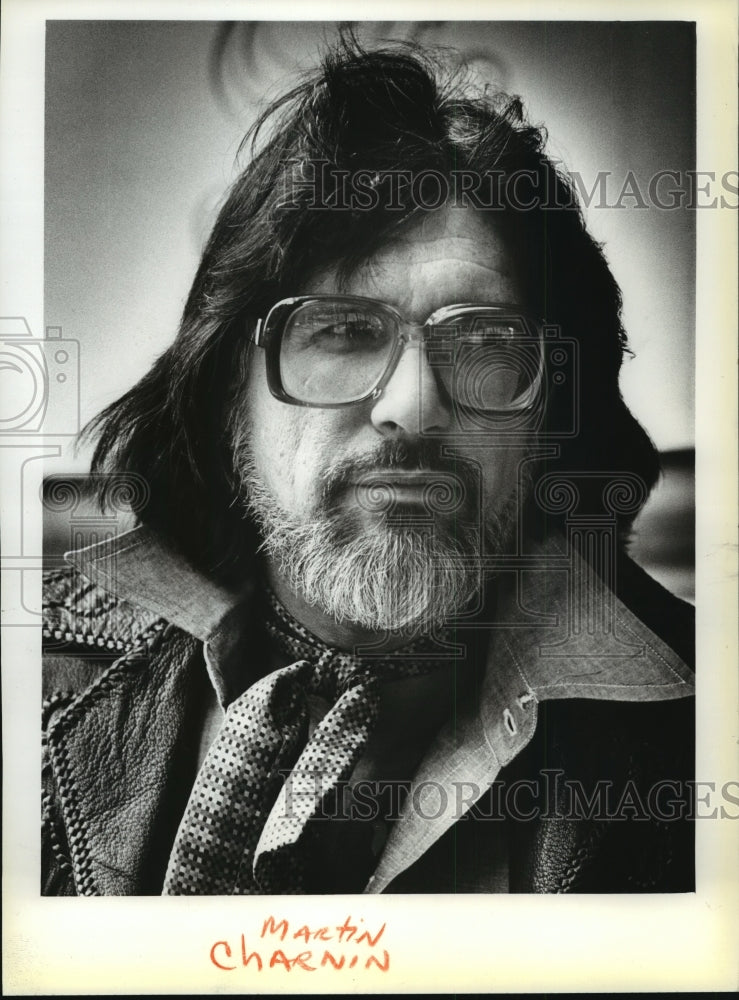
(334,352)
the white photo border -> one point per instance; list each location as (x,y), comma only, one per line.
(58,946)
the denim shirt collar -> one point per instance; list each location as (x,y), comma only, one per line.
(559,632)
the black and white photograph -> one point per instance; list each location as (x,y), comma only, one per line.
(364,494)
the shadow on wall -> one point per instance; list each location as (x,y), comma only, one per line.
(663,539)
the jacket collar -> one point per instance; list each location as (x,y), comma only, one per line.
(138,567)
(541,648)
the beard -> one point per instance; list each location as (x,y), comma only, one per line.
(377,563)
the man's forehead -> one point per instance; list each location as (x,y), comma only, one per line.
(453,254)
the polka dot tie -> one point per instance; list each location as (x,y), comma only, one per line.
(247,826)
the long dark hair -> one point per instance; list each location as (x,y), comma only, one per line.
(393,113)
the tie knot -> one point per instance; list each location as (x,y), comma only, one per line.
(336,671)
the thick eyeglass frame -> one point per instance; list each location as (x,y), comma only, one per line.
(268,332)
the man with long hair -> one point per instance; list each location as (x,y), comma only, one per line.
(377,629)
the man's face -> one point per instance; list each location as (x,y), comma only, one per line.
(302,464)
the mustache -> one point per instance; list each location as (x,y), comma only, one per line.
(429,458)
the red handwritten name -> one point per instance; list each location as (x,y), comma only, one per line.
(351,946)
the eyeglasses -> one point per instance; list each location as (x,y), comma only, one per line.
(333,350)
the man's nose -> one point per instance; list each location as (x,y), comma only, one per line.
(411,403)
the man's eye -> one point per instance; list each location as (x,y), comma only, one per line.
(348,336)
